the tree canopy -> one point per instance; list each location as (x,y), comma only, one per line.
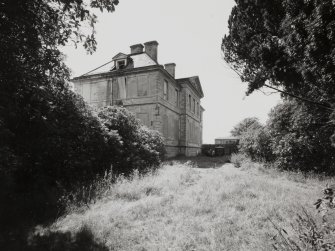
(49,138)
(245,125)
(300,137)
(288,44)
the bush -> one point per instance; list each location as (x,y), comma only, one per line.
(51,146)
(256,144)
(67,147)
(255,140)
(139,148)
(296,137)
(300,137)
(308,233)
(238,159)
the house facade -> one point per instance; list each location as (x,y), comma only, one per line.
(139,83)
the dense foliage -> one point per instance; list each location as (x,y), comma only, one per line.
(310,232)
(289,45)
(255,143)
(244,126)
(254,139)
(300,137)
(49,140)
(139,148)
(295,137)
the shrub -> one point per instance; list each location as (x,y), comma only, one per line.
(308,233)
(50,147)
(256,144)
(296,137)
(300,137)
(49,140)
(254,140)
(140,148)
(238,159)
(67,147)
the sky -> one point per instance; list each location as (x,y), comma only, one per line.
(189,33)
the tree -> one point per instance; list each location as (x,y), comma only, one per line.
(245,125)
(50,140)
(254,139)
(300,137)
(288,44)
(256,144)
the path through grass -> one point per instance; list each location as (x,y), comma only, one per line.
(187,208)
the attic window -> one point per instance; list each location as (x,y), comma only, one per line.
(121,64)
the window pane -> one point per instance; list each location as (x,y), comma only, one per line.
(165,90)
(189,102)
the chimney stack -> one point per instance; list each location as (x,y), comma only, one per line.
(171,69)
(151,49)
(136,48)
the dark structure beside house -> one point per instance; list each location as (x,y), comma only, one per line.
(222,147)
(226,146)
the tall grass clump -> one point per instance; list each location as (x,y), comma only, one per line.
(237,159)
(309,232)
(181,207)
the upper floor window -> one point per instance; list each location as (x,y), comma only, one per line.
(193,105)
(198,108)
(189,102)
(165,90)
(177,97)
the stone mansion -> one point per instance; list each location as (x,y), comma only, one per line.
(150,90)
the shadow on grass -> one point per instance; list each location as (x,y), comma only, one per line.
(55,241)
(203,161)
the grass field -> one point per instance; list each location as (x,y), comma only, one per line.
(183,207)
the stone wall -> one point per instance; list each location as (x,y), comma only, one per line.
(172,151)
(143,94)
(134,86)
(169,106)
(96,92)
(190,119)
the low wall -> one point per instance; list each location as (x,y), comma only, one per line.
(173,151)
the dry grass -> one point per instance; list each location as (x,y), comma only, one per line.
(186,208)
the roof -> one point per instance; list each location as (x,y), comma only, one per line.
(120,55)
(135,60)
(194,82)
(142,59)
(139,60)
(229,138)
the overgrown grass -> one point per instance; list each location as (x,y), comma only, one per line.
(181,207)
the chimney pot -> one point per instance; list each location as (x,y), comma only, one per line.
(171,69)
(136,48)
(151,49)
